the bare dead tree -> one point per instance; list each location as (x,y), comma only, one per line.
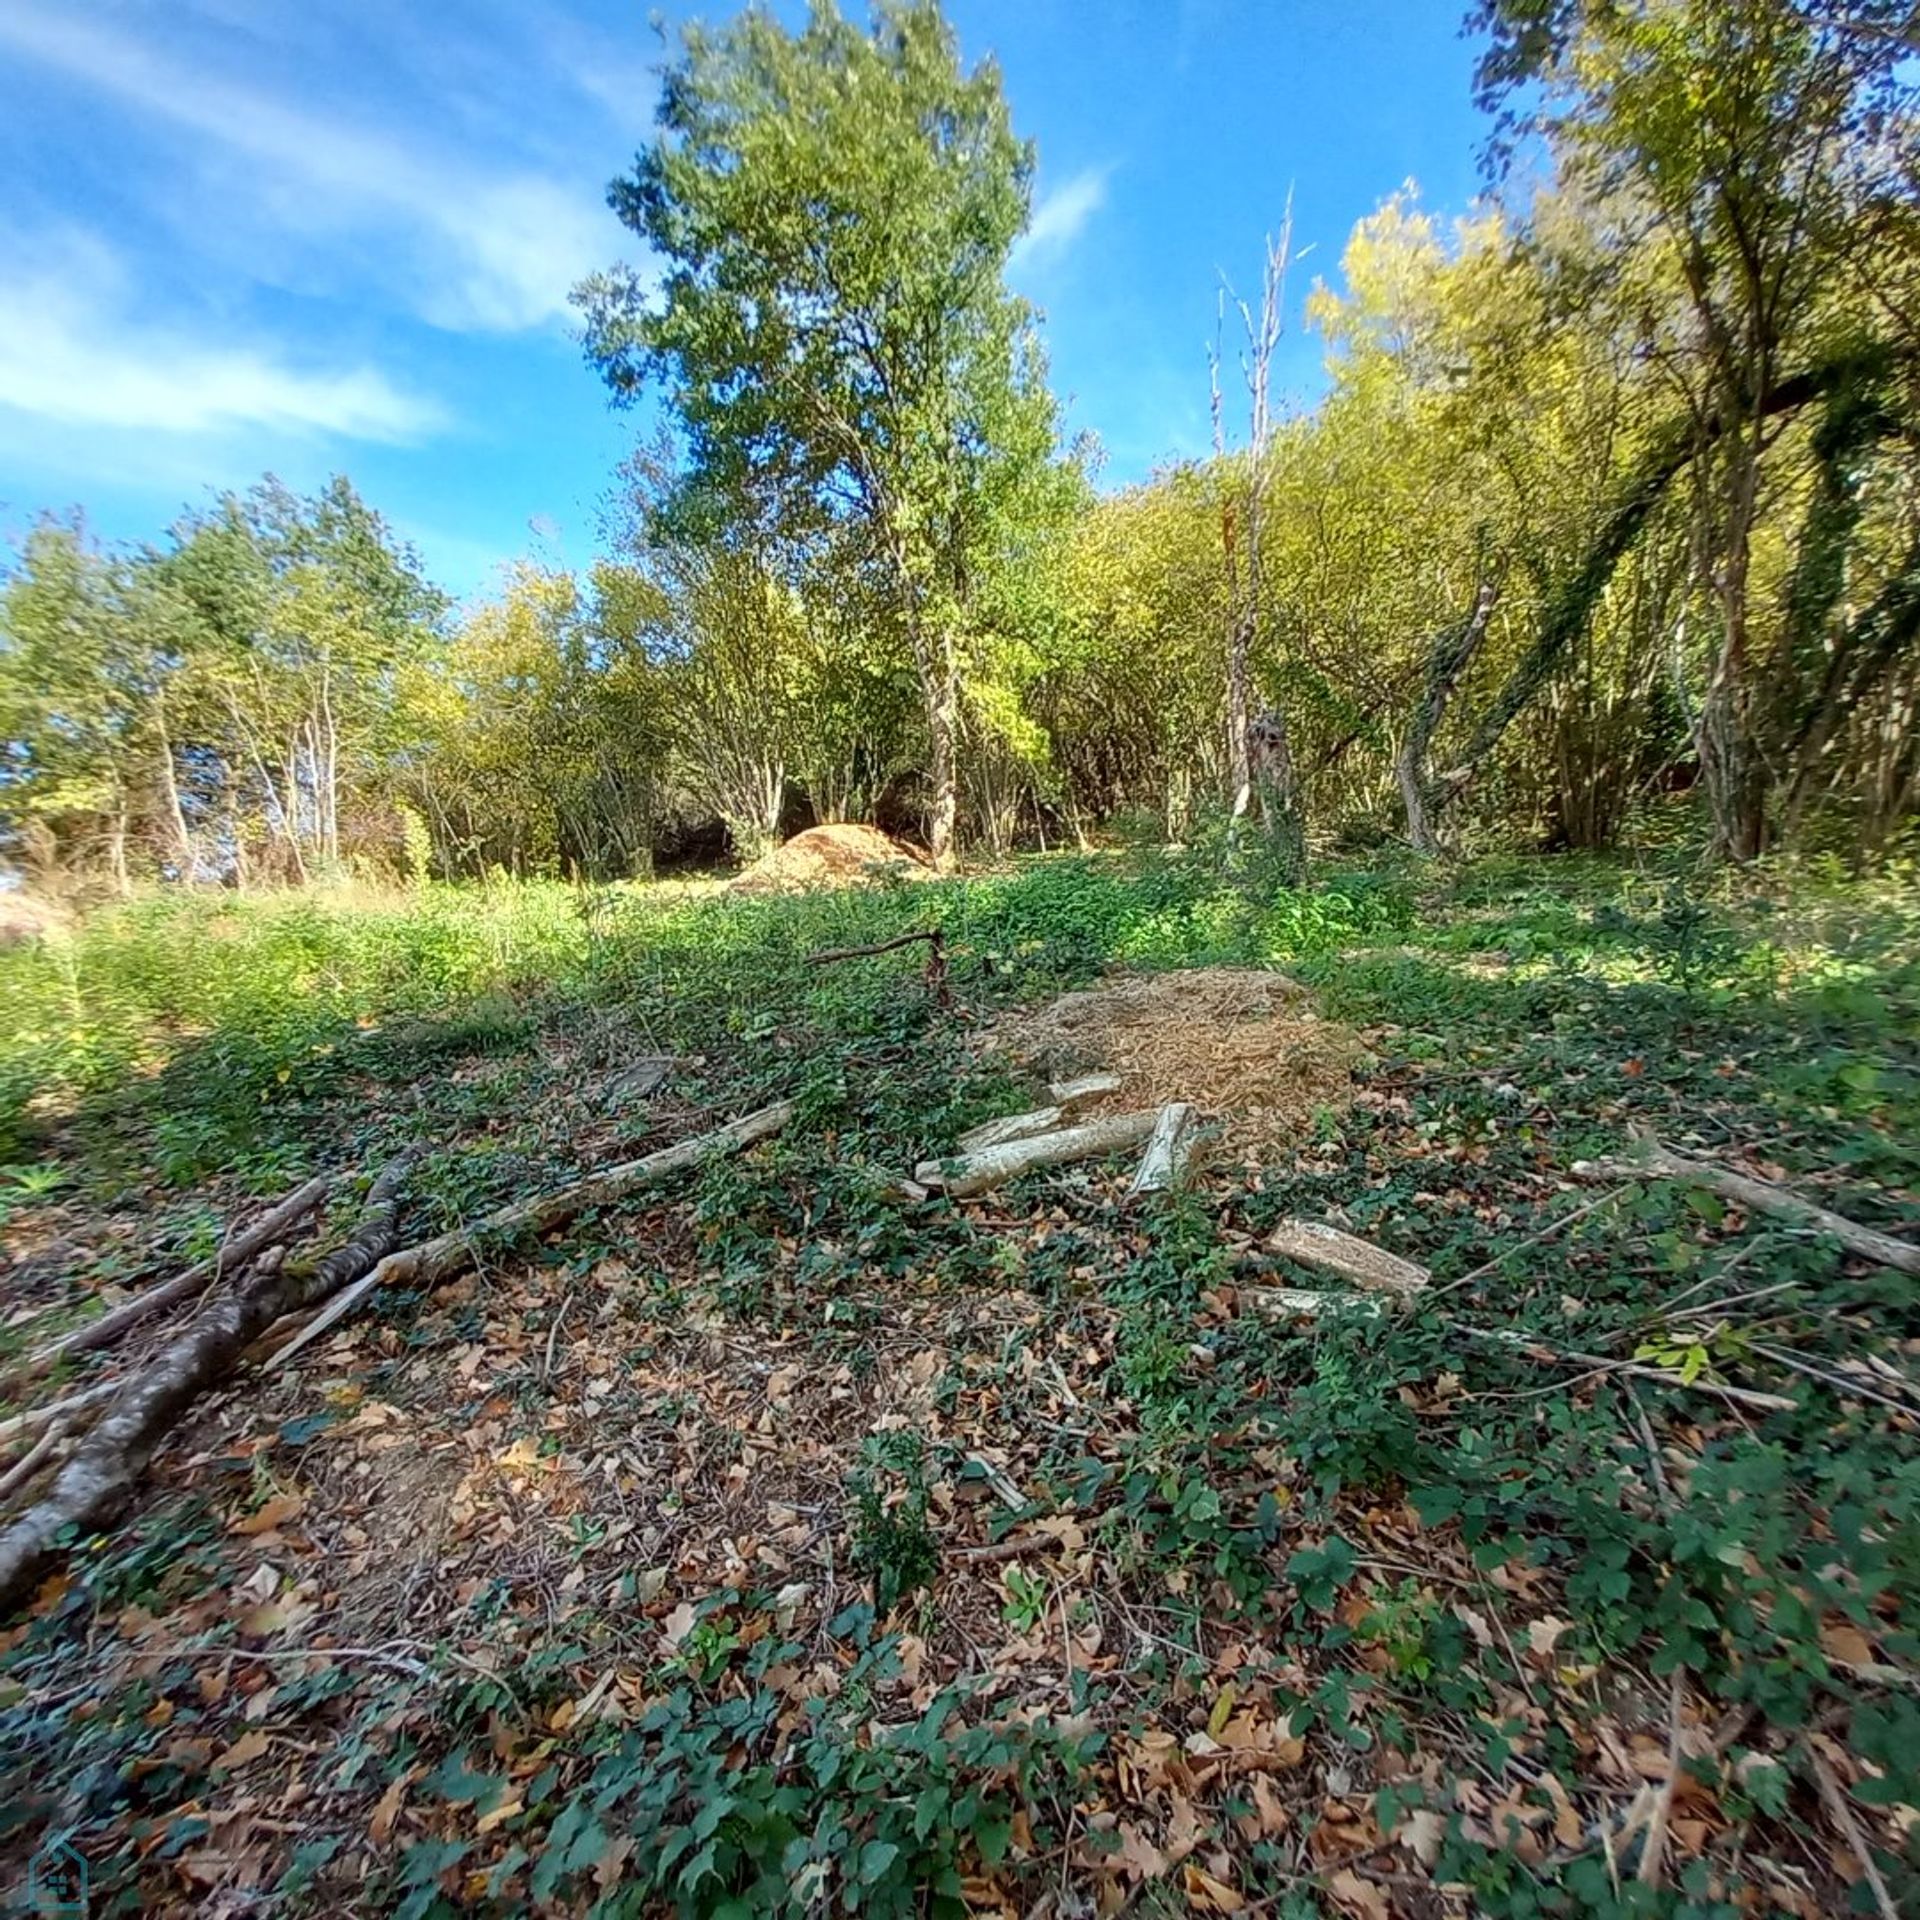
(1261,768)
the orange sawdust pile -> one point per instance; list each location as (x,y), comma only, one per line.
(834,856)
(1244,1046)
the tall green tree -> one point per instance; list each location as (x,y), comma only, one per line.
(832,211)
(1757,156)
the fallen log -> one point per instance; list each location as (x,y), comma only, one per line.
(975,1172)
(1010,1126)
(1169,1148)
(272,1226)
(103,1471)
(1088,1086)
(1298,1303)
(1656,1162)
(1068,1097)
(433,1261)
(1315,1244)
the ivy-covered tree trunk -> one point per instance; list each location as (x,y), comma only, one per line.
(1277,786)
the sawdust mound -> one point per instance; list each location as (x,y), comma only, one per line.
(835,856)
(1245,1047)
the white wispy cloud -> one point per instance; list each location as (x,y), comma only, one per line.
(477,248)
(1060,216)
(77,350)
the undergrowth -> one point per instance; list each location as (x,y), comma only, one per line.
(1234,1468)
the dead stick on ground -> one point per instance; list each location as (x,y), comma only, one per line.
(827,955)
(1571,1356)
(1835,1796)
(35,1417)
(91,1485)
(273,1225)
(434,1261)
(30,1462)
(1656,1162)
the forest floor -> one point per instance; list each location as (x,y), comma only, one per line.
(783,1544)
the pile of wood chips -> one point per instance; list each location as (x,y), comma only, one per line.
(838,855)
(1244,1046)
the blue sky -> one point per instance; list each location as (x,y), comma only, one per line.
(252,235)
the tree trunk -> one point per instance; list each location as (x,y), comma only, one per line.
(942,688)
(175,813)
(1730,759)
(1453,653)
(1278,788)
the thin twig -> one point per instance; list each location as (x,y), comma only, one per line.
(30,1462)
(1520,1246)
(553,1333)
(932,935)
(1836,1799)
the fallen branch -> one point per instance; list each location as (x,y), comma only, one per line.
(1656,1162)
(1536,1349)
(1315,1244)
(933,936)
(972,1173)
(29,1464)
(1010,1126)
(1296,1303)
(1858,1844)
(1163,1162)
(36,1417)
(272,1226)
(104,1470)
(434,1261)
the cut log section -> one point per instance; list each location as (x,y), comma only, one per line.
(1655,1162)
(1297,1303)
(975,1172)
(1169,1149)
(1089,1086)
(1068,1097)
(1360,1262)
(1010,1126)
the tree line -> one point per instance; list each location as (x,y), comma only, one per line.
(1612,503)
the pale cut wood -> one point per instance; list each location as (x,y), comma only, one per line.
(433,1261)
(1010,1126)
(1315,1244)
(1654,1161)
(1298,1303)
(36,1417)
(29,1464)
(1089,1086)
(272,1225)
(1163,1162)
(1068,1097)
(976,1172)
